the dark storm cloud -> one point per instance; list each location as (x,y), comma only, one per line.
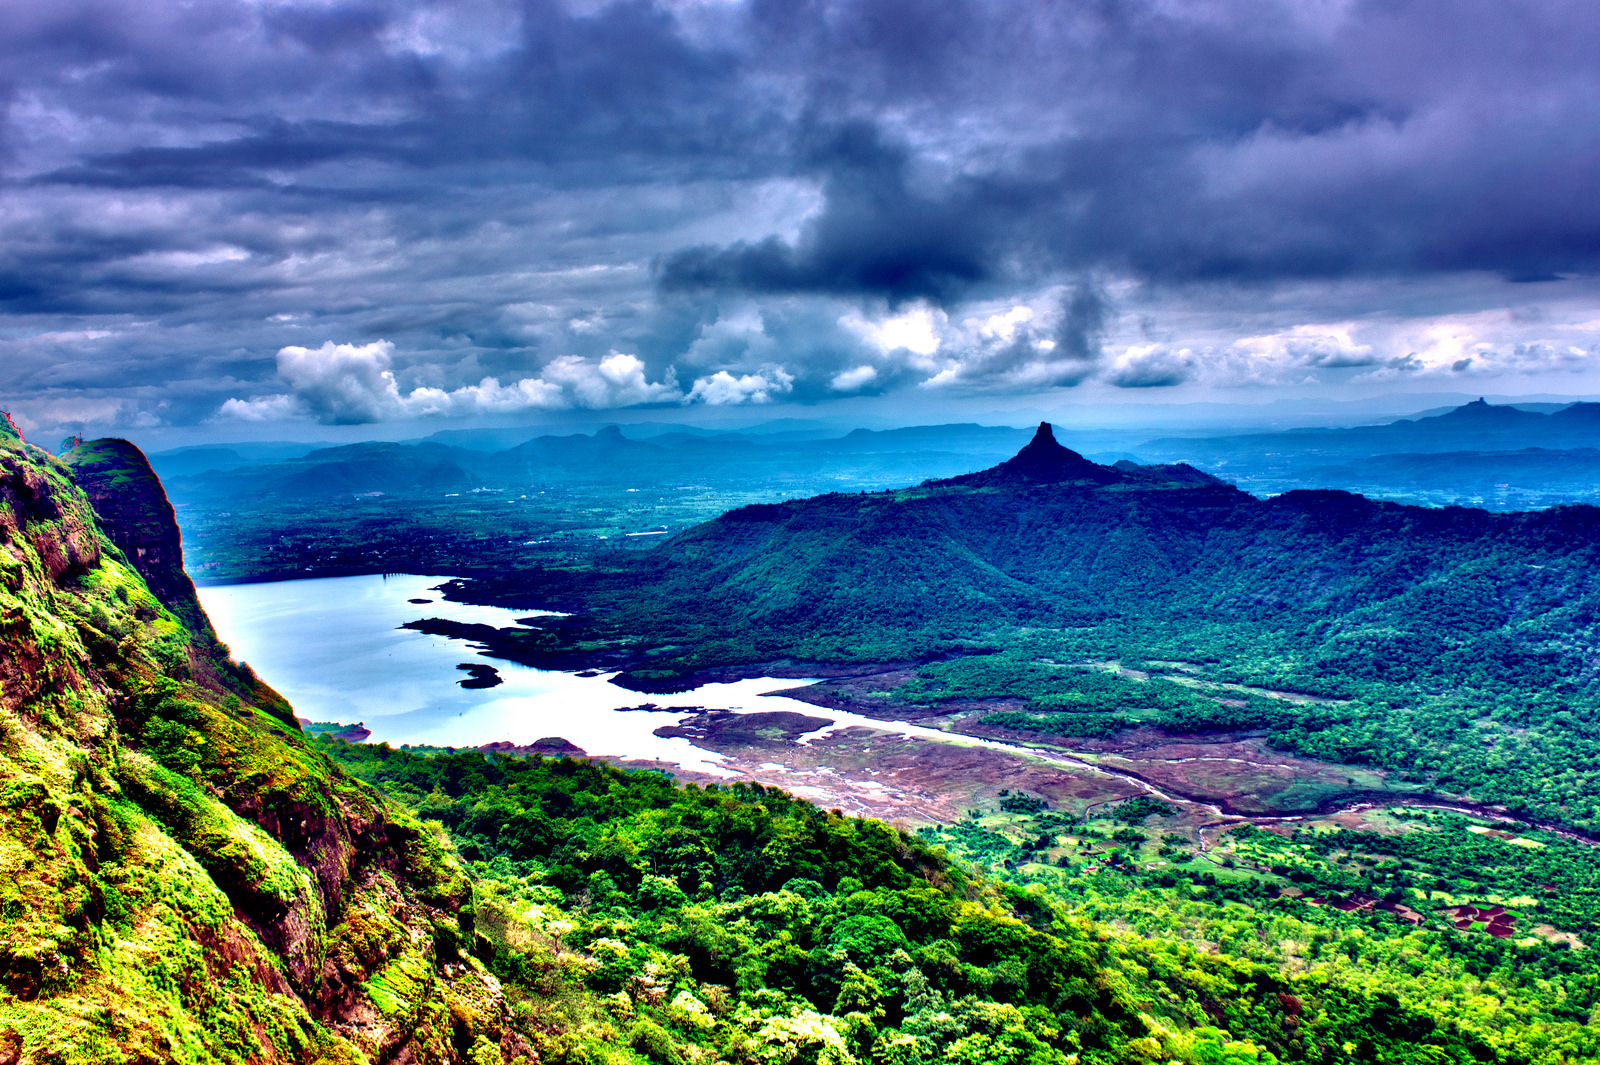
(1242,144)
(876,235)
(1083,320)
(491,186)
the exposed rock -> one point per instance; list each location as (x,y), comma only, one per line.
(479,675)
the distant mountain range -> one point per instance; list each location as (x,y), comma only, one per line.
(861,458)
(1478,454)
(1475,426)
(1497,457)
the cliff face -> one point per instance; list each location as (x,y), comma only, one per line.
(181,877)
(134,512)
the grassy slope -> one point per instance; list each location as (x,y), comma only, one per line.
(736,923)
(181,877)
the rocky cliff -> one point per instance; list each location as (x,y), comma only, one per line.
(182,878)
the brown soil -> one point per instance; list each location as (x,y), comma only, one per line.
(1551,933)
(1235,771)
(898,778)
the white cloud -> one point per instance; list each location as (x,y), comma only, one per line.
(1484,344)
(1003,327)
(261,409)
(618,380)
(1005,348)
(1329,346)
(917,331)
(724,389)
(854,380)
(344,384)
(353,384)
(1151,366)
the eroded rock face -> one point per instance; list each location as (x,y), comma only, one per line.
(192,880)
(134,512)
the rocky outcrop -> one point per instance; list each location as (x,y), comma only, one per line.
(133,511)
(1042,461)
(1045,461)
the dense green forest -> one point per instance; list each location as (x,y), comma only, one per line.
(183,877)
(631,917)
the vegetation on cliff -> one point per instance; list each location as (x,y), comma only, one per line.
(182,877)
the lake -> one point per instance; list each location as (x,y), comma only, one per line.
(335,649)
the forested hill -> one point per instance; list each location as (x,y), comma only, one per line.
(1467,640)
(1051,539)
(189,878)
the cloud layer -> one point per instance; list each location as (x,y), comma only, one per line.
(357,210)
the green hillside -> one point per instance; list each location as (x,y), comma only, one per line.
(632,920)
(1459,645)
(189,878)
(185,879)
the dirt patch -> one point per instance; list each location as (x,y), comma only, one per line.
(1551,933)
(906,779)
(1505,836)
(724,730)
(1236,771)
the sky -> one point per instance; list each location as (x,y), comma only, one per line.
(264,217)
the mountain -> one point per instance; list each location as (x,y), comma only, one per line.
(1041,461)
(1475,426)
(1045,461)
(186,878)
(189,461)
(606,459)
(1529,476)
(1419,622)
(1046,537)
